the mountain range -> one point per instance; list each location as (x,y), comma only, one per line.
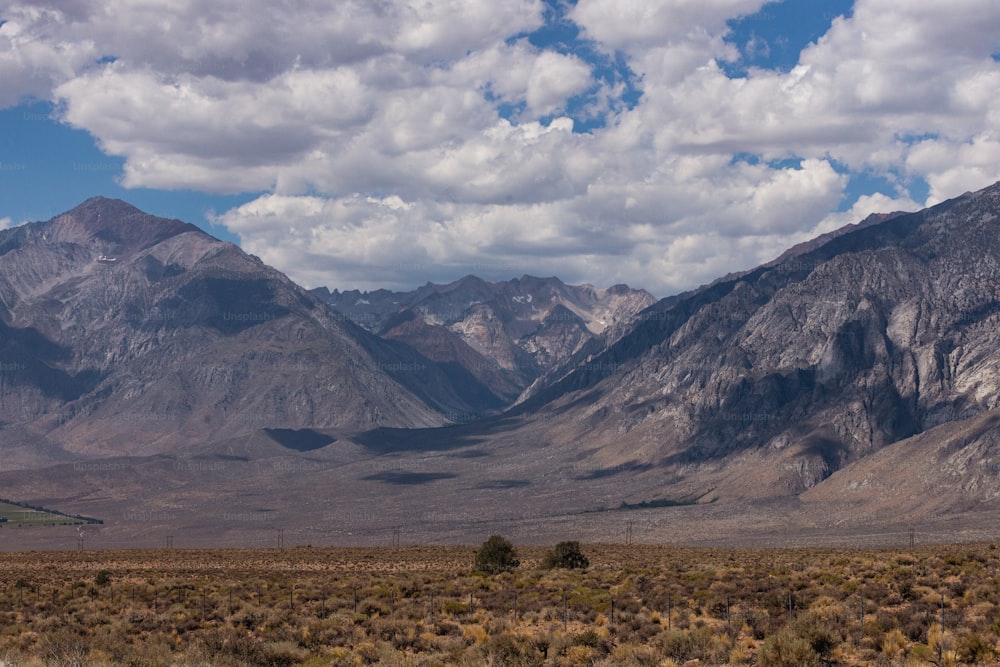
(845,391)
(513,336)
(123,333)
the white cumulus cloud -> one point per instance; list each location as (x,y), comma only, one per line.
(401,141)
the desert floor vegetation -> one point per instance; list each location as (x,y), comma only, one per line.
(633,605)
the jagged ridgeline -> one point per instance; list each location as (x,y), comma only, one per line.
(512,337)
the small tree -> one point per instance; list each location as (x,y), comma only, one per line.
(567,555)
(497,554)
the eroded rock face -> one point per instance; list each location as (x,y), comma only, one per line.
(508,335)
(122,332)
(821,358)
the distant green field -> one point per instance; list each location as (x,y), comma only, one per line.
(21,516)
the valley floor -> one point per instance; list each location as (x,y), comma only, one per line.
(778,523)
(421,605)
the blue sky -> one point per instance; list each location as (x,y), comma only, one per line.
(657,143)
(773,37)
(48,167)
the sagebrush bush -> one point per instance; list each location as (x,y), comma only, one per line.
(974,650)
(684,645)
(821,635)
(785,649)
(512,651)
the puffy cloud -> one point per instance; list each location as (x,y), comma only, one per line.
(863,207)
(888,72)
(662,235)
(208,133)
(555,78)
(952,168)
(236,39)
(400,141)
(30,65)
(639,25)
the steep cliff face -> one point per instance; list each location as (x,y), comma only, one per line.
(813,361)
(508,335)
(123,332)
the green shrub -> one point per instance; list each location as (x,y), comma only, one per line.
(566,555)
(456,608)
(496,555)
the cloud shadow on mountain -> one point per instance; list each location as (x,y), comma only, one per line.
(300,440)
(445,438)
(408,478)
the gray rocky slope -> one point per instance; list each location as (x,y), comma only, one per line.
(767,383)
(121,332)
(512,336)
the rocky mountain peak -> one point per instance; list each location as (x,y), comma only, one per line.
(507,334)
(128,331)
(112,227)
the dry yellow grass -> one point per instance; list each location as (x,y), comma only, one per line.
(635,605)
